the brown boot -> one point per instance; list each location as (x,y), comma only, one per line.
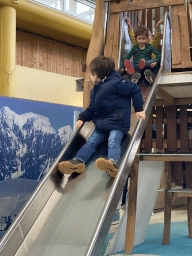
(71,166)
(109,166)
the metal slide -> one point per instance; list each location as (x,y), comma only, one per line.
(72,216)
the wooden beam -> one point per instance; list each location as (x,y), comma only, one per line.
(125,6)
(181,194)
(132,204)
(177,84)
(189,120)
(171,128)
(176,38)
(189,16)
(164,143)
(159,127)
(168,157)
(184,134)
(167,200)
(149,19)
(189,214)
(95,48)
(185,101)
(166,96)
(112,43)
(185,46)
(178,101)
(157,15)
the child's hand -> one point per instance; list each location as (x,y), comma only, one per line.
(158,24)
(153,64)
(128,22)
(78,124)
(140,114)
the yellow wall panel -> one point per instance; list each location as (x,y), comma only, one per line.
(39,85)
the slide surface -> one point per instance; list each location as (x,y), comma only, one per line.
(68,218)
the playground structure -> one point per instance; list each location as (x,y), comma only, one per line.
(174,93)
(166,91)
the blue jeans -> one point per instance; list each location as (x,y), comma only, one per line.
(114,145)
(148,63)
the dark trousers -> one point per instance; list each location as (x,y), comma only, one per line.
(125,190)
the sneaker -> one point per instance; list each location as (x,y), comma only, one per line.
(135,77)
(149,76)
(109,166)
(142,64)
(129,67)
(71,166)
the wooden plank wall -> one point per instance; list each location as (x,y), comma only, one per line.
(173,129)
(42,53)
(181,57)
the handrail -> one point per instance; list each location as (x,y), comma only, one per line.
(124,169)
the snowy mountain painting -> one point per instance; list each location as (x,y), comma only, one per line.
(29,144)
(32,134)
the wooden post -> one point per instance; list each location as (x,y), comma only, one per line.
(95,47)
(189,16)
(112,43)
(131,216)
(167,211)
(189,212)
(185,46)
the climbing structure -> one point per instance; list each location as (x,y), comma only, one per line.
(174,95)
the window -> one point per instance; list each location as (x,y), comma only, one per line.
(84,10)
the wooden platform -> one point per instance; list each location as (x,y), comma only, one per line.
(165,157)
(175,89)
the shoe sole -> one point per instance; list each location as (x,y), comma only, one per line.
(135,77)
(148,77)
(134,81)
(141,64)
(106,166)
(129,67)
(69,168)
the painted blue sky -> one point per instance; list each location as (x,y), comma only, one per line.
(59,115)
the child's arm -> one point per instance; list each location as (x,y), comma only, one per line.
(157,53)
(130,31)
(157,37)
(86,115)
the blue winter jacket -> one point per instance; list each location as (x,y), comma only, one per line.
(110,104)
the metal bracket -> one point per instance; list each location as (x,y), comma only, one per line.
(79,84)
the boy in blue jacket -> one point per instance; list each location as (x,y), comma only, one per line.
(110,110)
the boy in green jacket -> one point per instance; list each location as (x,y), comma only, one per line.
(142,52)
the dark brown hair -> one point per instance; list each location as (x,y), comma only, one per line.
(140,31)
(102,66)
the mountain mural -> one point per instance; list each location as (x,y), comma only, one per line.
(28,144)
